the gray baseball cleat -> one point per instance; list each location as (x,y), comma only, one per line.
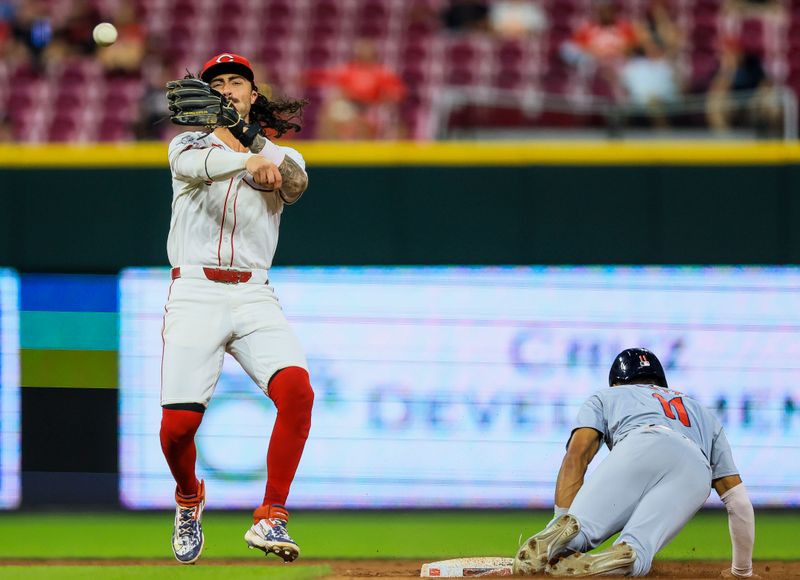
(543,547)
(615,561)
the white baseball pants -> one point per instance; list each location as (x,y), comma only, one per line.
(205,319)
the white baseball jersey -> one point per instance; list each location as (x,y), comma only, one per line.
(227,223)
(221,220)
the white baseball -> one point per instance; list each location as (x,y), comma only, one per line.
(104,34)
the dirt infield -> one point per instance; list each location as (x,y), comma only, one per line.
(684,570)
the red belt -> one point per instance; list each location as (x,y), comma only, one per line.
(220,275)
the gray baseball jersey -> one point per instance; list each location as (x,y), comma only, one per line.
(666,449)
(615,411)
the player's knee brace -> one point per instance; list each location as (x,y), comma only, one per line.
(290,390)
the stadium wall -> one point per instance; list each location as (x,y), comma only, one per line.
(100,209)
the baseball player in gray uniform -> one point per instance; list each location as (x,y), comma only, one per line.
(667,452)
(230,186)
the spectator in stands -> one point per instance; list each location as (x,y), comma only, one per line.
(53,42)
(657,30)
(32,29)
(422,18)
(151,123)
(12,51)
(6,130)
(742,71)
(362,97)
(7,16)
(650,76)
(124,57)
(7,9)
(740,18)
(754,8)
(602,45)
(649,81)
(516,18)
(466,15)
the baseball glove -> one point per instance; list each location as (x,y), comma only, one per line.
(194,102)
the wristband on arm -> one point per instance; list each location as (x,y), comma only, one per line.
(741,524)
(273,153)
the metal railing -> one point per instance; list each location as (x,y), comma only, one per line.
(534,103)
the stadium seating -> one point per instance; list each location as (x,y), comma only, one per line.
(289,37)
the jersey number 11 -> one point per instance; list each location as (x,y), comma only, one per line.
(675,404)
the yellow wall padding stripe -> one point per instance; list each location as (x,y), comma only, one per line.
(317,153)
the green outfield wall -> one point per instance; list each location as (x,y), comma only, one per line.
(99,209)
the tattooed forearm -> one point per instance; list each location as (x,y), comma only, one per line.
(294,178)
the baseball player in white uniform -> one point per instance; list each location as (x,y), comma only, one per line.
(228,196)
(667,452)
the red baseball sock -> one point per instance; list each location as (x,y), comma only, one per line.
(178,428)
(291,392)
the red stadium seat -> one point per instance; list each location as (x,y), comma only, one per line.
(459,76)
(415,52)
(555,82)
(414,75)
(373,29)
(704,36)
(114,130)
(703,66)
(421,28)
(326,11)
(510,51)
(509,78)
(294,35)
(62,129)
(373,10)
(462,53)
(183,10)
(562,10)
(751,36)
(320,55)
(231,10)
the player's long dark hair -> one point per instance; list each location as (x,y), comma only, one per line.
(279,116)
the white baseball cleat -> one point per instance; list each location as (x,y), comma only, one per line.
(543,547)
(615,561)
(187,532)
(270,536)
